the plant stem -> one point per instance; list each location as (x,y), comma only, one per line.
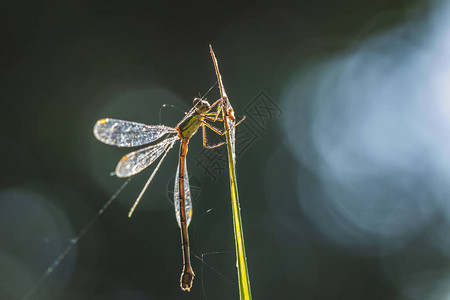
(229,121)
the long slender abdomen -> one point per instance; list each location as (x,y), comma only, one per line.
(187,275)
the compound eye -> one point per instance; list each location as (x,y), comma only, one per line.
(196,101)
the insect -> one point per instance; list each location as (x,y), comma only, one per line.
(129,134)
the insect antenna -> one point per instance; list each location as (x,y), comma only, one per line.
(209,90)
(168,105)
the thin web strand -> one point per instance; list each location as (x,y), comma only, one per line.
(168,105)
(212,268)
(73,242)
(199,219)
(149,180)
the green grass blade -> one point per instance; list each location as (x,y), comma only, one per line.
(229,121)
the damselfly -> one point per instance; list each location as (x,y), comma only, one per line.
(129,134)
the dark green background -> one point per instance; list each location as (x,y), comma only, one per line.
(65,64)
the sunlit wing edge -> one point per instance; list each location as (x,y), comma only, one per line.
(135,162)
(123,133)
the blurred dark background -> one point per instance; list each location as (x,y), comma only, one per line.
(342,161)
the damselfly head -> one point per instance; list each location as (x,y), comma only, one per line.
(201,105)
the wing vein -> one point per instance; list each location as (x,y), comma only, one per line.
(128,134)
(136,161)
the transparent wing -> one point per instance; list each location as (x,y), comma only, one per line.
(187,195)
(128,134)
(136,161)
